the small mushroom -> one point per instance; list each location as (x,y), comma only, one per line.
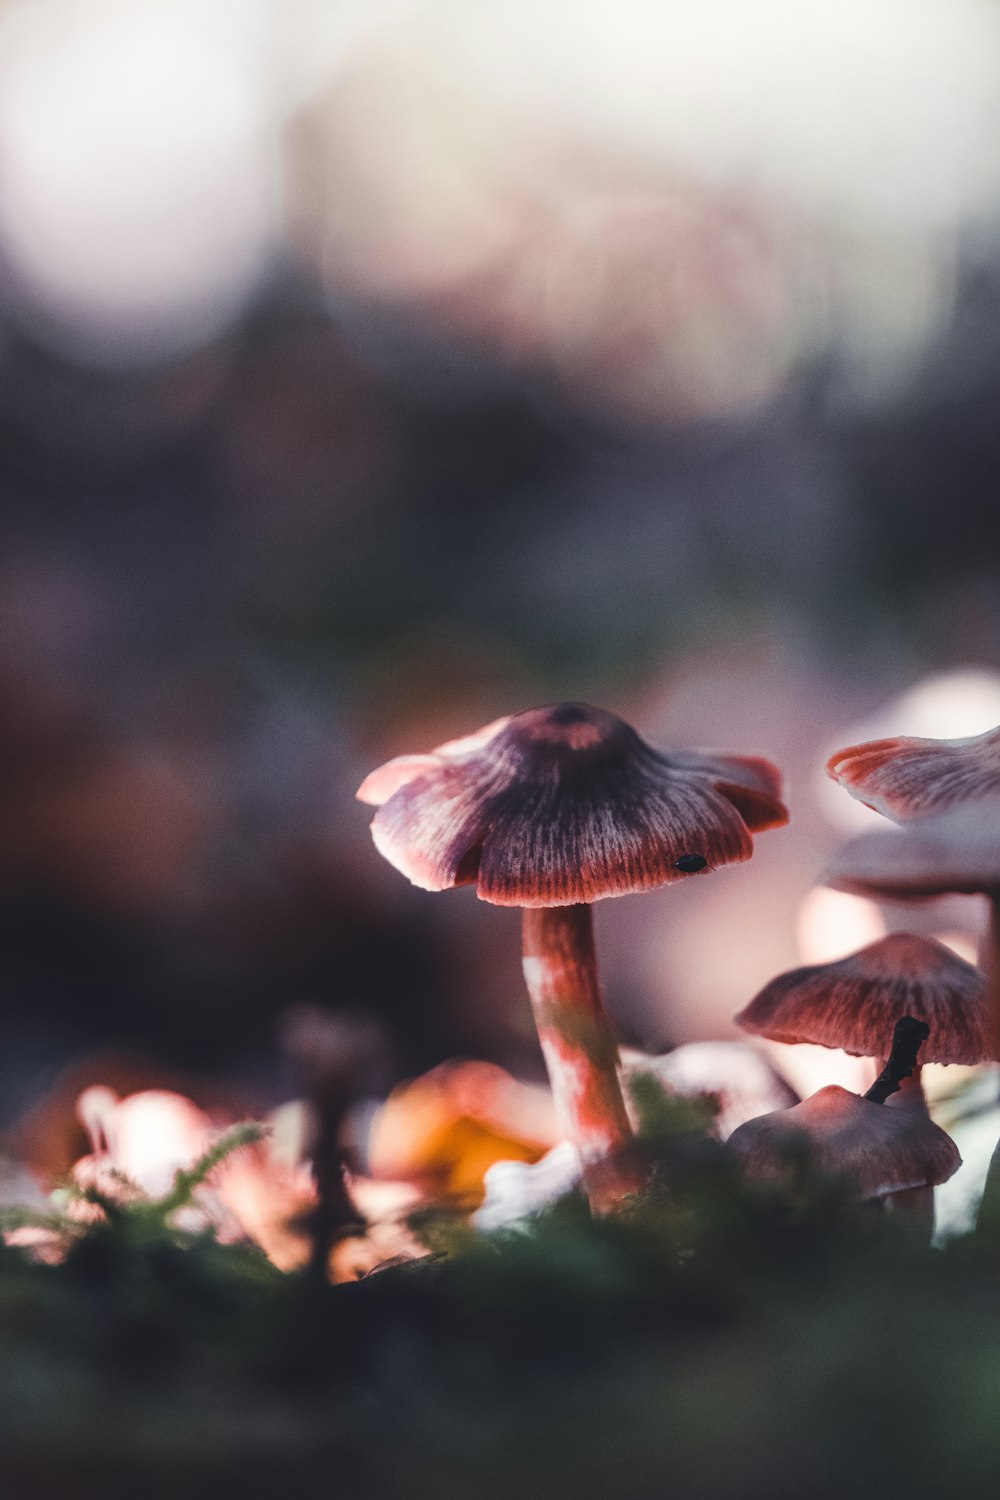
(905,778)
(551,810)
(853,1003)
(885,1151)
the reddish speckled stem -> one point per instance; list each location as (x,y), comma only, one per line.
(560,970)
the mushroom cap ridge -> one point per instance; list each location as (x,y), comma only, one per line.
(905,777)
(566,804)
(855,1002)
(884,1150)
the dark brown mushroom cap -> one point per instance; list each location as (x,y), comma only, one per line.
(956,852)
(855,1002)
(566,804)
(884,1150)
(906,778)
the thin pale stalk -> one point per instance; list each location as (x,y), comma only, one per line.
(990,962)
(988,1219)
(560,970)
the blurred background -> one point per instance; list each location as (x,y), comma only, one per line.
(370,369)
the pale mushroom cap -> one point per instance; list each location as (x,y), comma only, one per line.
(906,778)
(855,1003)
(884,1150)
(951,852)
(566,804)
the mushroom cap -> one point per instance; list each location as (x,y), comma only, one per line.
(906,778)
(884,1150)
(566,804)
(855,1002)
(956,852)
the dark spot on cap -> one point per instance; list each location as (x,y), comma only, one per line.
(690,863)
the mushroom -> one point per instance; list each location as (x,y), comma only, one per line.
(853,1004)
(905,778)
(950,852)
(908,779)
(885,1151)
(550,810)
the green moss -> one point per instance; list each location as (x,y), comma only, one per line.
(711,1343)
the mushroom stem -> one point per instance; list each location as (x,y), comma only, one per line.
(918,1206)
(560,971)
(988,1219)
(991,965)
(909,1091)
(908,1037)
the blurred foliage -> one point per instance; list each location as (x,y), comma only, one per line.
(233,582)
(710,1342)
(662,1114)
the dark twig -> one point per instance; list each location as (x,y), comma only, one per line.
(332,1055)
(908,1037)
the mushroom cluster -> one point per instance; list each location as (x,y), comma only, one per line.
(854,1004)
(558,807)
(947,792)
(892,1000)
(946,796)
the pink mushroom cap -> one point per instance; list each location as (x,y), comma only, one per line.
(883,1150)
(907,778)
(566,804)
(855,1002)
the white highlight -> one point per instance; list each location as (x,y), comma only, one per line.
(139,184)
(956,1202)
(886,109)
(809,1067)
(671,203)
(515,1190)
(832,924)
